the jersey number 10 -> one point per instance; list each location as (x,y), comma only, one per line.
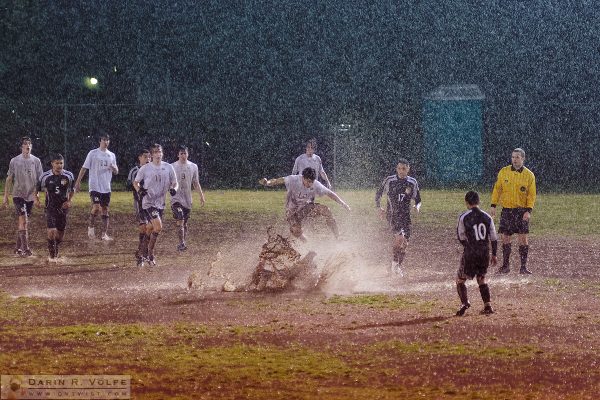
(480,232)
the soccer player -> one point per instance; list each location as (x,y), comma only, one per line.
(143,158)
(181,203)
(159,178)
(475,230)
(300,201)
(102,165)
(24,172)
(58,185)
(401,189)
(310,159)
(515,191)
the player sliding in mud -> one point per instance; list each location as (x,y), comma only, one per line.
(300,200)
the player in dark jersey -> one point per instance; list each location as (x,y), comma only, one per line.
(57,183)
(475,230)
(401,189)
(143,158)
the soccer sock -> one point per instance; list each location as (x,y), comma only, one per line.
(461,288)
(524,252)
(92,220)
(181,234)
(56,243)
(485,293)
(143,247)
(399,255)
(506,249)
(105,219)
(152,243)
(18,240)
(185,230)
(22,241)
(52,248)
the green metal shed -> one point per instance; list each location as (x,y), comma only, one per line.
(453,134)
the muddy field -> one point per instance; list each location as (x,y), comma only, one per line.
(360,334)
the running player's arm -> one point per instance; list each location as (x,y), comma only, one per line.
(113,165)
(7,190)
(295,169)
(272,182)
(385,185)
(494,240)
(460,231)
(333,196)
(70,193)
(82,172)
(37,190)
(325,178)
(417,197)
(196,185)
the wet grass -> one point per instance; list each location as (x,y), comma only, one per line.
(382,301)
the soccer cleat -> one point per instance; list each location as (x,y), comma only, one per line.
(18,252)
(461,311)
(181,247)
(106,238)
(91,233)
(524,270)
(487,310)
(503,270)
(26,253)
(52,260)
(140,261)
(151,261)
(395,269)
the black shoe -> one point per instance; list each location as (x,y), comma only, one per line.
(524,270)
(151,261)
(26,253)
(461,311)
(487,310)
(503,270)
(18,252)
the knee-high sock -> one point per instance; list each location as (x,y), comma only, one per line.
(19,243)
(461,288)
(52,248)
(181,233)
(524,252)
(92,220)
(506,249)
(105,219)
(485,293)
(399,255)
(23,239)
(152,243)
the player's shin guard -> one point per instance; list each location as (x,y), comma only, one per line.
(92,220)
(181,233)
(399,255)
(143,246)
(461,288)
(524,252)
(484,289)
(506,250)
(105,221)
(152,243)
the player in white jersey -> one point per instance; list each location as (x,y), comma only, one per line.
(159,178)
(143,158)
(181,203)
(300,200)
(24,172)
(311,160)
(102,165)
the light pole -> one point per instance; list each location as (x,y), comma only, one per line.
(341,128)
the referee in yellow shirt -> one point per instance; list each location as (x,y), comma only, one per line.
(515,191)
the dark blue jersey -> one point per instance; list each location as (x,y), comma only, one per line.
(57,187)
(475,230)
(400,192)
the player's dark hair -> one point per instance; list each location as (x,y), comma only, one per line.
(472,198)
(56,157)
(25,139)
(403,161)
(142,152)
(181,148)
(309,173)
(155,147)
(312,142)
(102,134)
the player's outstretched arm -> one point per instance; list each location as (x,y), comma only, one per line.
(333,196)
(272,182)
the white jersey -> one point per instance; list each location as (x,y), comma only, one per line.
(186,174)
(98,163)
(298,195)
(25,173)
(158,179)
(303,161)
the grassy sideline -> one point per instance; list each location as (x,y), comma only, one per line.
(198,360)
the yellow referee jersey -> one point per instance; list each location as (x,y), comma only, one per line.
(514,188)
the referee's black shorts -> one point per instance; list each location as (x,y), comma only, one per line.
(511,221)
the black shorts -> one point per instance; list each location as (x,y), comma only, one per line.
(153,213)
(56,218)
(22,207)
(180,213)
(400,226)
(511,221)
(100,198)
(472,266)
